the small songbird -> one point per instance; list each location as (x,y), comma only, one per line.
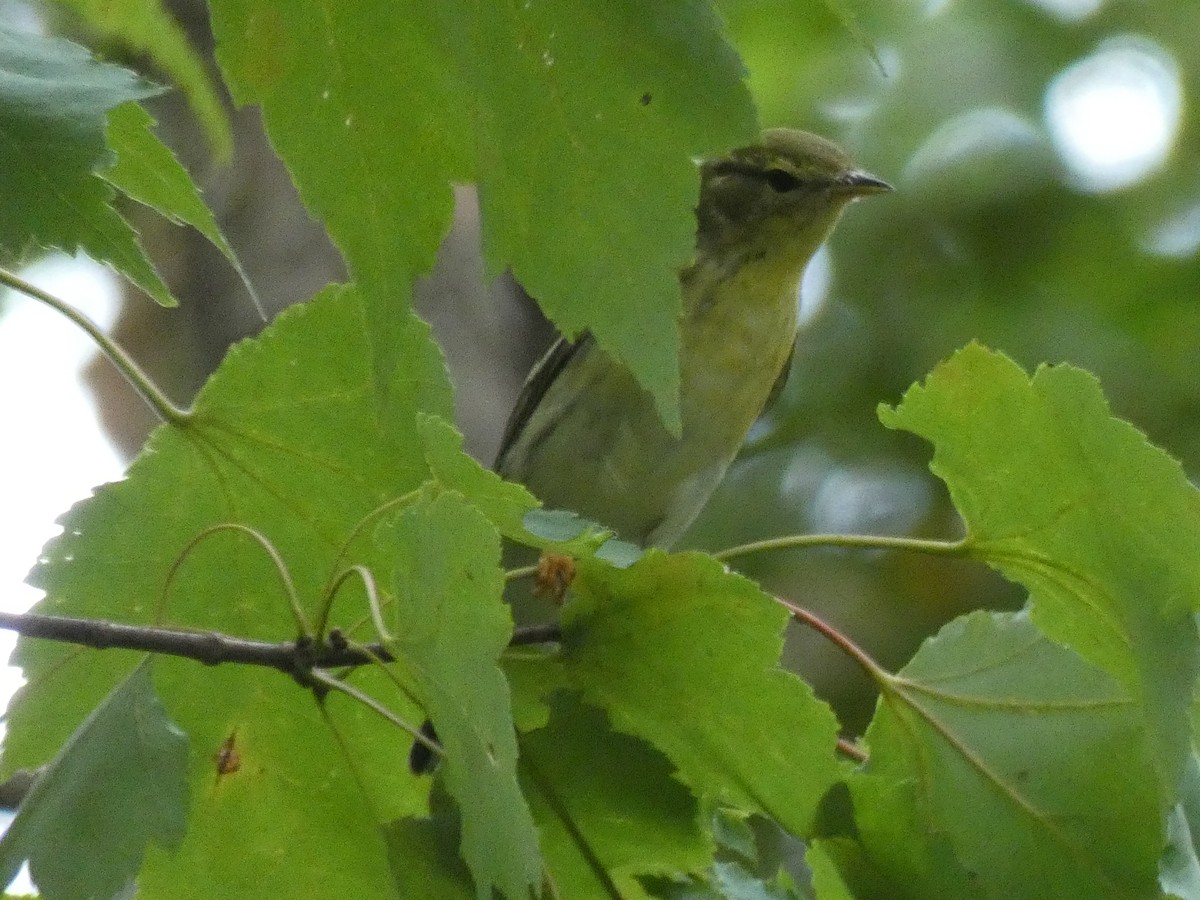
(584,436)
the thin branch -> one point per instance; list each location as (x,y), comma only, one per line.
(295,658)
(142,383)
(301,659)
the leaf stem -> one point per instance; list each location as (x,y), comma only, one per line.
(324,678)
(571,825)
(359,527)
(281,569)
(849,541)
(379,663)
(141,382)
(874,671)
(852,750)
(520,572)
(372,590)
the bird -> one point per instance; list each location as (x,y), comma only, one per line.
(584,436)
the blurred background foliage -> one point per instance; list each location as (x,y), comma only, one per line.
(1046,155)
(1046,158)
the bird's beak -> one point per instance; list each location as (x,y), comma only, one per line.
(859,184)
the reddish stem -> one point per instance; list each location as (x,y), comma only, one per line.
(851,649)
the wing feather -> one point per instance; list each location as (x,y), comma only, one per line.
(541,376)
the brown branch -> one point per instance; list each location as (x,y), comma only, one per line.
(212,648)
(296,658)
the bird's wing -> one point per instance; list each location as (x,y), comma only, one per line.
(541,376)
(780,380)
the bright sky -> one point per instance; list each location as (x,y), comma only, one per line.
(1114,114)
(52,452)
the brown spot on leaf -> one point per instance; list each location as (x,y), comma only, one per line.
(227,758)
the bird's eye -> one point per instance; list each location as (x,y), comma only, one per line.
(781,182)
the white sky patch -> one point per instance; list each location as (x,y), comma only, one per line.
(1114,115)
(814,287)
(1068,10)
(52,451)
(867,498)
(1178,237)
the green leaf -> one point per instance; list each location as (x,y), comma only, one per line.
(684,654)
(292,438)
(892,854)
(119,783)
(569,532)
(726,881)
(735,835)
(361,104)
(511,508)
(149,172)
(425,857)
(533,674)
(450,627)
(827,883)
(578,121)
(606,805)
(376,169)
(504,502)
(992,722)
(847,17)
(589,117)
(53,102)
(146,27)
(1077,506)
